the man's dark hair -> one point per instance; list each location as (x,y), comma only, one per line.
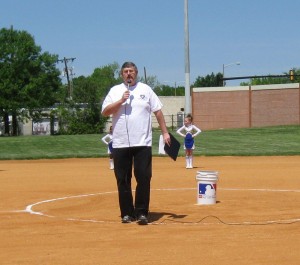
(128,64)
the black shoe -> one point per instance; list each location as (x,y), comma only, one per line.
(142,220)
(127,219)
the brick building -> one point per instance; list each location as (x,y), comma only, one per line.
(246,106)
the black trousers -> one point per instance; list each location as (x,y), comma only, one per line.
(140,160)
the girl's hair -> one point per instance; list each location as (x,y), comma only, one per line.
(189,116)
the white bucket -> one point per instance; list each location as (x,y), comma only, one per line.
(206,187)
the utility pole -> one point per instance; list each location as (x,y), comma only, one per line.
(66,71)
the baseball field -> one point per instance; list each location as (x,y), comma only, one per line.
(65,212)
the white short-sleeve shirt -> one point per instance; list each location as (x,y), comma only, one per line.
(132,124)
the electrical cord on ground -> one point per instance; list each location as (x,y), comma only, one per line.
(168,220)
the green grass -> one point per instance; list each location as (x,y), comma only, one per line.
(279,140)
(62,146)
(271,141)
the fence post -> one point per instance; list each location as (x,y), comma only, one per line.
(172,122)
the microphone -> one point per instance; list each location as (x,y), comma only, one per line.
(128,85)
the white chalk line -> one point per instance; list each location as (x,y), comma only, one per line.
(29,209)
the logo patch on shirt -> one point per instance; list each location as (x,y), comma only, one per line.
(142,96)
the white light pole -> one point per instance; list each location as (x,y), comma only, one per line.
(226,65)
(187,60)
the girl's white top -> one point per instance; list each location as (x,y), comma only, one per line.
(107,139)
(133,123)
(194,130)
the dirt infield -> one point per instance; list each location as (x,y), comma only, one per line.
(66,212)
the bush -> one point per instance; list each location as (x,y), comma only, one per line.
(81,121)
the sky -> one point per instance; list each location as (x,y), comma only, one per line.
(262,35)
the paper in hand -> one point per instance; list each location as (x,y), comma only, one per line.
(173,149)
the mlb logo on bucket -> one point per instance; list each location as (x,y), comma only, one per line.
(207,190)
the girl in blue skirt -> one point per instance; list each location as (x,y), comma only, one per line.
(189,131)
(107,139)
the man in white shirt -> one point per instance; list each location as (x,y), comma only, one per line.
(131,104)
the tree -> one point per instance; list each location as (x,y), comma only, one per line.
(29,79)
(151,81)
(266,81)
(105,77)
(86,116)
(211,80)
(94,87)
(164,90)
(88,92)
